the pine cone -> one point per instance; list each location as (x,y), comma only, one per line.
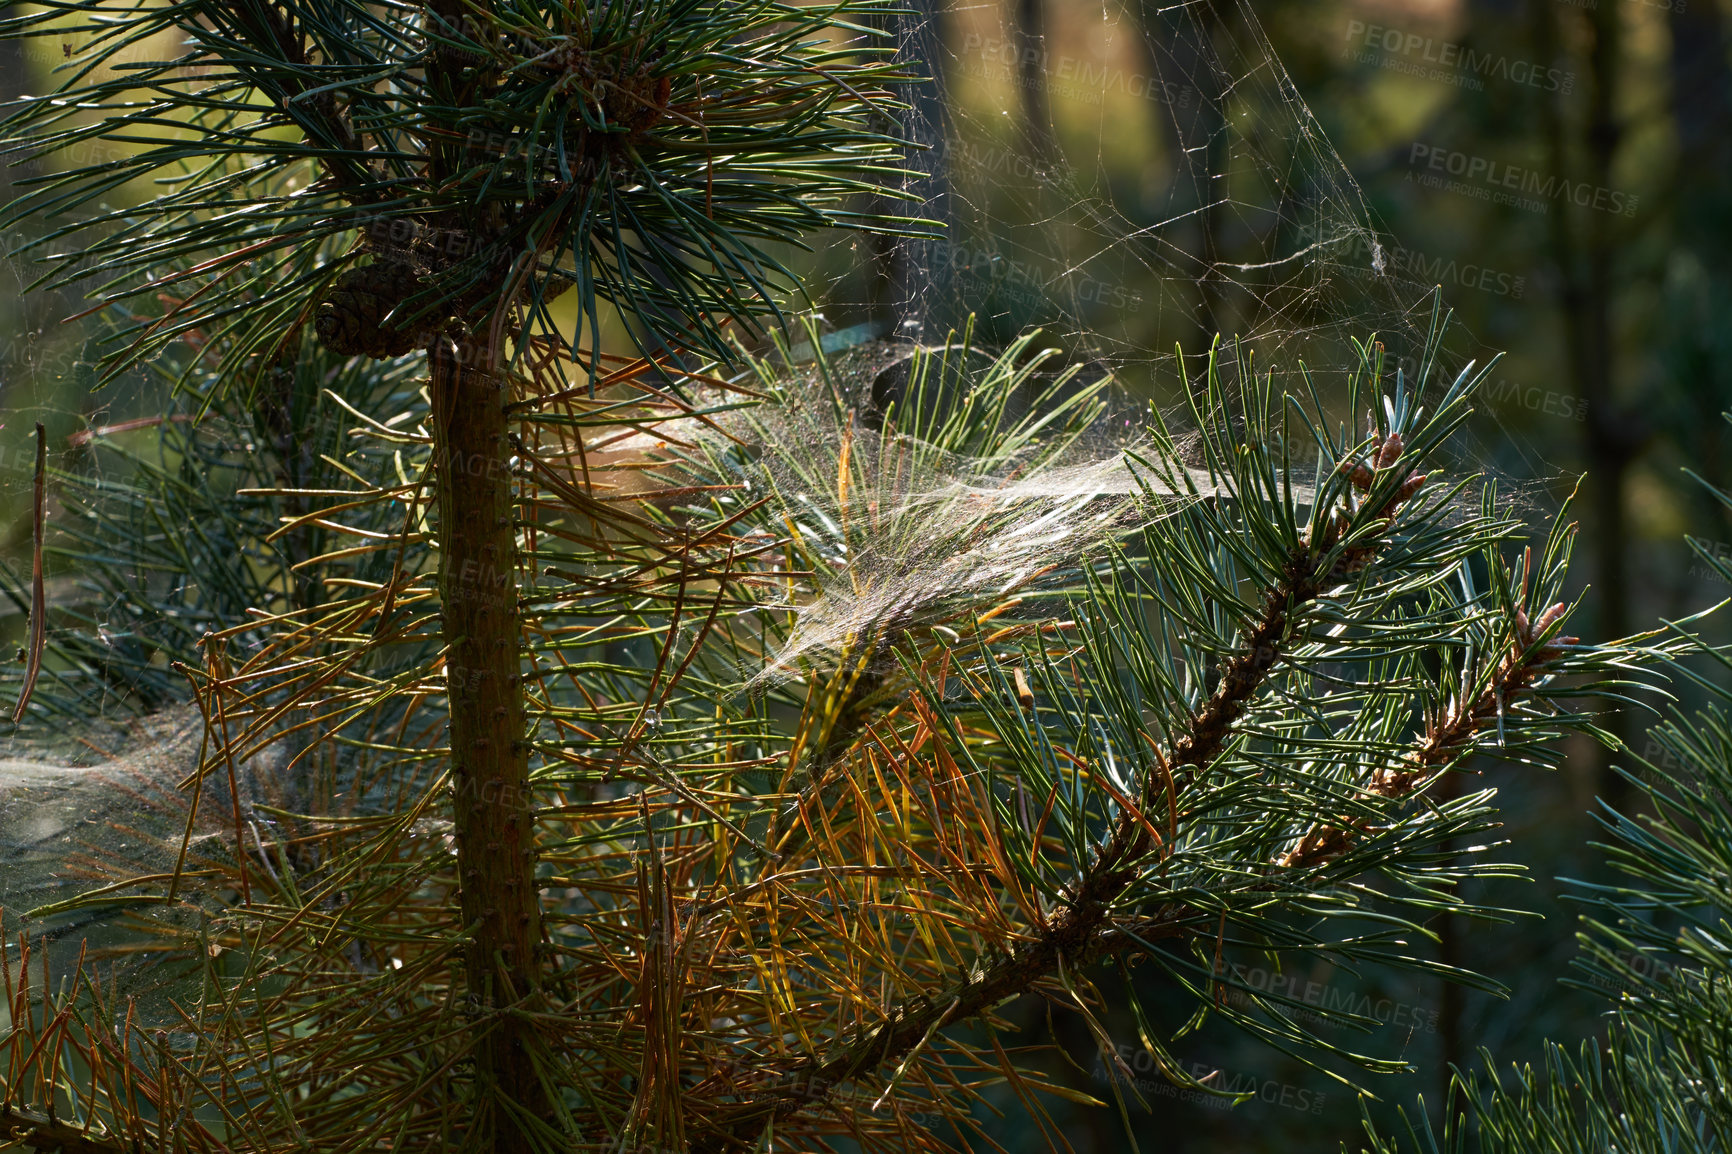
(555,285)
(351,318)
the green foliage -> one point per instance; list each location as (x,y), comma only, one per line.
(791,733)
(653,155)
(1206,729)
(1655,941)
(180,535)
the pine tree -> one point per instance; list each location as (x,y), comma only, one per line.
(430,178)
(683,752)
(1654,943)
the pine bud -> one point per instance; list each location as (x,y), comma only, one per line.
(1546,618)
(1390,450)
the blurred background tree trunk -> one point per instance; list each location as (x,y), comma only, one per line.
(914,294)
(1699,272)
(1585,247)
(1029,37)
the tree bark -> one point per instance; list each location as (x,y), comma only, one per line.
(489,756)
(914,288)
(483,636)
(1701,80)
(1615,434)
(1029,35)
(1200,132)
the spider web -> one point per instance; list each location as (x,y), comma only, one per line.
(1132,183)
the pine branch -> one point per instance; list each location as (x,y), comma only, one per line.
(51,1136)
(1079,933)
(1655,1081)
(1448,737)
(652,160)
(669,942)
(268,27)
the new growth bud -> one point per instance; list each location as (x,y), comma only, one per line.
(1389,452)
(1527,634)
(1546,618)
(1383,454)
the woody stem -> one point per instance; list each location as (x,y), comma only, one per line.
(1083,928)
(489,757)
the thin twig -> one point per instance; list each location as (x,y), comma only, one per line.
(38,639)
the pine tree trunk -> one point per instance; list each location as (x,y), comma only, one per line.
(1615,432)
(490,764)
(1195,97)
(915,285)
(1032,63)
